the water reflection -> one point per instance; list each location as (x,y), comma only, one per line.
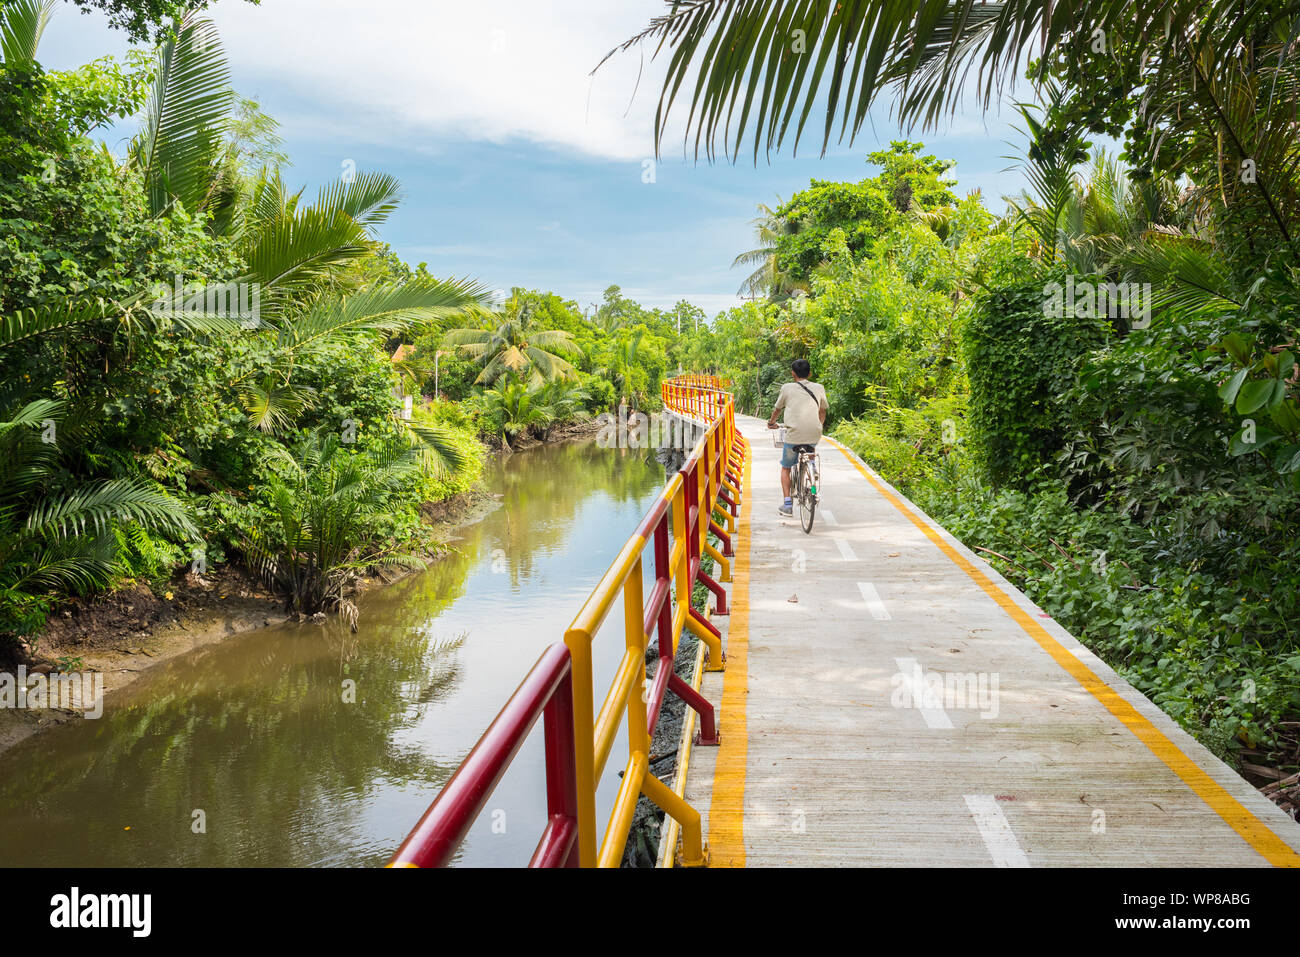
(307,745)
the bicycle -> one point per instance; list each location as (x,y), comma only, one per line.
(805,480)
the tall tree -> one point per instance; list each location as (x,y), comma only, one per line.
(766,279)
(509,344)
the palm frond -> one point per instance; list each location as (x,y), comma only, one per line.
(437,448)
(549,365)
(764,68)
(459,338)
(752,256)
(79,564)
(1187,274)
(386,308)
(33,414)
(22,22)
(297,248)
(274,406)
(37,321)
(367,198)
(186,117)
(554,339)
(98,505)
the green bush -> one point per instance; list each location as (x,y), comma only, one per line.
(462,435)
(1019,358)
(602,396)
(336,513)
(907,446)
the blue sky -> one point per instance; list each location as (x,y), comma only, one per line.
(518,168)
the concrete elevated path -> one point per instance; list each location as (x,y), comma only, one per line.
(833,754)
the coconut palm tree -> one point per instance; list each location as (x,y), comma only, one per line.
(509,345)
(767,279)
(511,408)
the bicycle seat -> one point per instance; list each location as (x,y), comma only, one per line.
(805,448)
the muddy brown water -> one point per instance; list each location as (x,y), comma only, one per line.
(252,738)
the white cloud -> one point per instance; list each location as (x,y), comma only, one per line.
(418,75)
(412,72)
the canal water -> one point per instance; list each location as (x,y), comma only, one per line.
(246,753)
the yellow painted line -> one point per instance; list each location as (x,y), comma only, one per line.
(1254,831)
(727,809)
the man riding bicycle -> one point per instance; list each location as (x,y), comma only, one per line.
(804,404)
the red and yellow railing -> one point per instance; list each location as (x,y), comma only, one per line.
(560,687)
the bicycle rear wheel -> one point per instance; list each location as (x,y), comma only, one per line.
(807,499)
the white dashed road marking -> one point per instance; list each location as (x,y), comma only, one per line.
(996,831)
(874,604)
(913,679)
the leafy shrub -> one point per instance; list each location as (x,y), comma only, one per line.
(461,435)
(908,445)
(1141,425)
(602,396)
(332,517)
(1019,358)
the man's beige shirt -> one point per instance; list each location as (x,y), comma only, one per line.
(802,422)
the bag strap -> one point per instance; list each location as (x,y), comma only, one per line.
(810,394)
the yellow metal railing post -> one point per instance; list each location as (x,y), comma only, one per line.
(638,734)
(638,737)
(620,821)
(681,572)
(724,563)
(694,852)
(579,644)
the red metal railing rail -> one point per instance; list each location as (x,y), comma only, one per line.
(546,691)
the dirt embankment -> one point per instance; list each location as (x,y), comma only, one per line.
(122,634)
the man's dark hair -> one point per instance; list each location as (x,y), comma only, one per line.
(801,368)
